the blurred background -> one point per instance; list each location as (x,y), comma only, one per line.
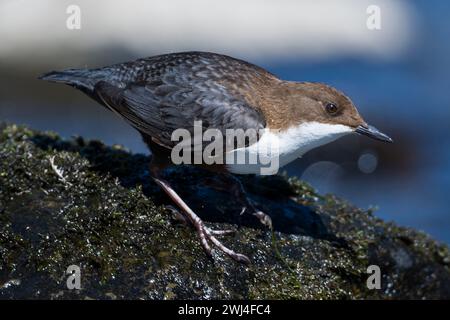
(397,72)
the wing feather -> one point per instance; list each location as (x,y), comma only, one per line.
(157,108)
(160,94)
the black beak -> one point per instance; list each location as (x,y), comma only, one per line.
(373,133)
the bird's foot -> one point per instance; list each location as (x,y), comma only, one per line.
(181,218)
(207,236)
(248,204)
(264,219)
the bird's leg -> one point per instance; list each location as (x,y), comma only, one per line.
(241,194)
(206,234)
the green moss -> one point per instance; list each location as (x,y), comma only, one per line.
(80,202)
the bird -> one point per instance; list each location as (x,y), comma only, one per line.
(161,94)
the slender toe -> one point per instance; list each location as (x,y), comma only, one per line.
(264,219)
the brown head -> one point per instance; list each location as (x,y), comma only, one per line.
(305,102)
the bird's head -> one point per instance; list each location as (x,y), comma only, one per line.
(331,111)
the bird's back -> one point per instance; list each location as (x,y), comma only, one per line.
(188,67)
(162,93)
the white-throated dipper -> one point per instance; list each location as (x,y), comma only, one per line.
(161,94)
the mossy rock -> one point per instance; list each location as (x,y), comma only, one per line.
(77,202)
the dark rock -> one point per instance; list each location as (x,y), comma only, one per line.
(97,208)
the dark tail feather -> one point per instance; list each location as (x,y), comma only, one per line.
(82,79)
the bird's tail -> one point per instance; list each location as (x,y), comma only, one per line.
(82,79)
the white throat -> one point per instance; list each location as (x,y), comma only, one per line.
(286,145)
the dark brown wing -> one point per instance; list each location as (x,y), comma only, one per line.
(160,102)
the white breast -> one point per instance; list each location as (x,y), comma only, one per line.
(278,148)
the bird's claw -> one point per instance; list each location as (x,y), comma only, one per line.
(207,235)
(263,218)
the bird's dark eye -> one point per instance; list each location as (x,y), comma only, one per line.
(331,108)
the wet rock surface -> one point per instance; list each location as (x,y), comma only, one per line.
(82,203)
